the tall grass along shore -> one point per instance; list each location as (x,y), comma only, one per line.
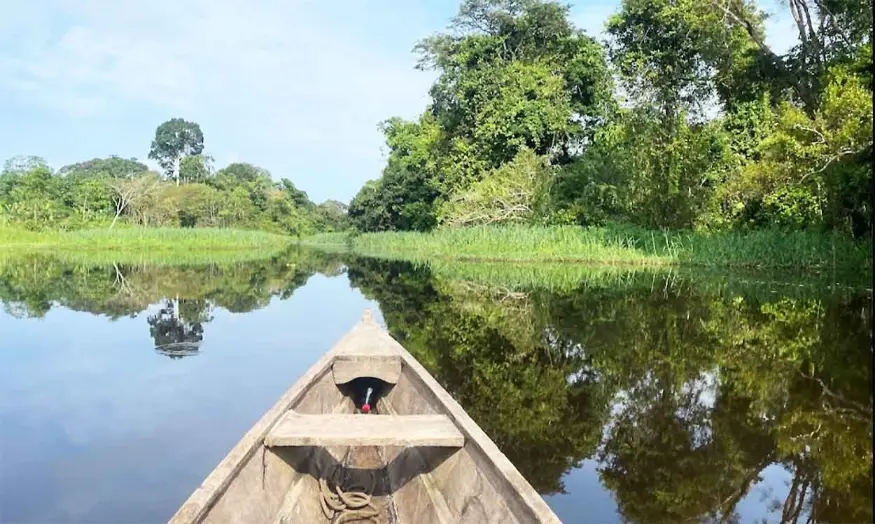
(182,245)
(613,245)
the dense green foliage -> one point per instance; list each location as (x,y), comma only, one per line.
(190,193)
(706,128)
(515,77)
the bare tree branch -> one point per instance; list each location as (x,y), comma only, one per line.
(126,191)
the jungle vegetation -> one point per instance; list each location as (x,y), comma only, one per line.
(189,192)
(683,118)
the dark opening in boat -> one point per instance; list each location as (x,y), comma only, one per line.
(365,393)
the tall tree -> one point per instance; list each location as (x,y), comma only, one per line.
(410,183)
(174,140)
(32,193)
(368,210)
(679,51)
(514,74)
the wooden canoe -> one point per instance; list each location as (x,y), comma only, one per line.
(417,457)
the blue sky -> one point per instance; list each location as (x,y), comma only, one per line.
(295,86)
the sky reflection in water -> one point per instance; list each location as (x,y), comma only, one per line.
(722,385)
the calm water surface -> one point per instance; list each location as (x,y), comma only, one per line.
(649,397)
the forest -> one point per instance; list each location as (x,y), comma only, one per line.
(189,192)
(683,118)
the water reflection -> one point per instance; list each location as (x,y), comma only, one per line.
(181,298)
(682,392)
(677,394)
(178,327)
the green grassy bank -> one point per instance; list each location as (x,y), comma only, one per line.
(614,245)
(564,278)
(146,245)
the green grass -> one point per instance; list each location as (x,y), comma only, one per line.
(564,278)
(10,237)
(147,245)
(614,245)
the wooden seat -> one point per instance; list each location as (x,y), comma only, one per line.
(298,429)
(347,368)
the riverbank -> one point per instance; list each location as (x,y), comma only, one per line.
(614,245)
(146,245)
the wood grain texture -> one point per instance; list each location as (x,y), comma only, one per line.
(347,368)
(297,429)
(445,468)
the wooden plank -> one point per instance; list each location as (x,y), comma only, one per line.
(203,498)
(525,503)
(298,429)
(347,368)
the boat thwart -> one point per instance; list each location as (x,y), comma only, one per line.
(415,457)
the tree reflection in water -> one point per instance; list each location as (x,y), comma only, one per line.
(186,296)
(682,389)
(178,327)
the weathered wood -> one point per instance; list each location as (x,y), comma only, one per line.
(512,490)
(244,454)
(297,429)
(437,464)
(347,368)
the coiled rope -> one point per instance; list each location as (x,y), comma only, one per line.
(347,505)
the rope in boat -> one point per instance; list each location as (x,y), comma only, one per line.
(347,505)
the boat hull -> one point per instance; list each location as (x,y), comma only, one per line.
(271,477)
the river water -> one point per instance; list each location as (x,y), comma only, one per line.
(620,395)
